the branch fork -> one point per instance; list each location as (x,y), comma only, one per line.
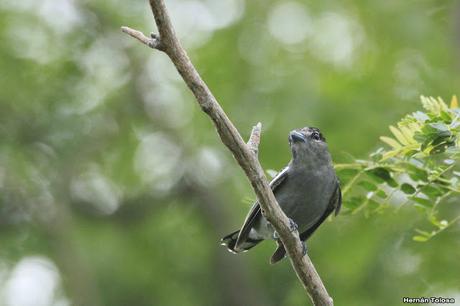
(153,42)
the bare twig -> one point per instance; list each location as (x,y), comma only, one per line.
(153,42)
(254,139)
(167,42)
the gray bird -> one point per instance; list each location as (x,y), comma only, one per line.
(307,190)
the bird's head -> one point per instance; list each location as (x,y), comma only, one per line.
(308,145)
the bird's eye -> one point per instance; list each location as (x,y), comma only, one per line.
(315,136)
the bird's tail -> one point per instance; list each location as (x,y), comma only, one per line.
(231,239)
(279,254)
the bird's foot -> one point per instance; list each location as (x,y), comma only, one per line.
(304,248)
(292,227)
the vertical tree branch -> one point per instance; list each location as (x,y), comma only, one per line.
(245,155)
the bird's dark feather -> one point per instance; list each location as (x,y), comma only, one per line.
(255,211)
(334,204)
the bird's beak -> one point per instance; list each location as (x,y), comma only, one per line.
(296,136)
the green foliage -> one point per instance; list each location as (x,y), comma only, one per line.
(103,130)
(418,168)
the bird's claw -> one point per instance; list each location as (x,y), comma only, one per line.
(304,248)
(292,225)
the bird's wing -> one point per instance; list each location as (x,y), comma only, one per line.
(334,205)
(338,200)
(255,211)
(279,178)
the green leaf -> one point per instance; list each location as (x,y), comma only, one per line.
(440,140)
(390,154)
(446,117)
(420,208)
(354,202)
(399,136)
(379,172)
(420,137)
(392,183)
(372,204)
(346,175)
(420,238)
(408,133)
(368,185)
(421,201)
(410,153)
(416,173)
(431,191)
(381,175)
(390,141)
(381,194)
(407,188)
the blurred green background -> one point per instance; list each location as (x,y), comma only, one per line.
(115,189)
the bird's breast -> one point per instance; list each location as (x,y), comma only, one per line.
(305,196)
